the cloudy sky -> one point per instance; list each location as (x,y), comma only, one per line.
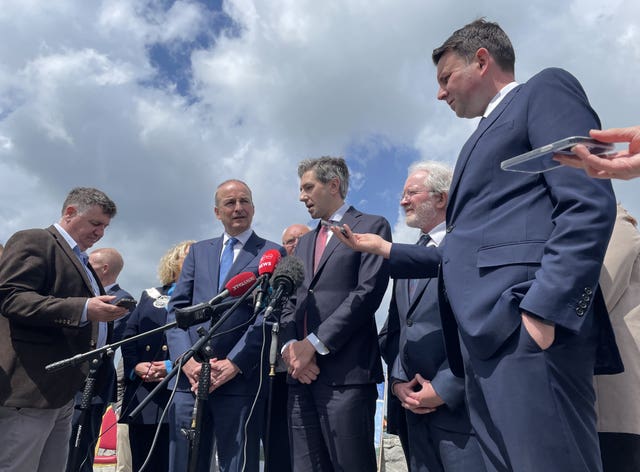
(156,102)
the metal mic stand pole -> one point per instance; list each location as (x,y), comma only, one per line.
(85,406)
(273,360)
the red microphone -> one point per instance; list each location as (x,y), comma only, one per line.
(268,263)
(235,287)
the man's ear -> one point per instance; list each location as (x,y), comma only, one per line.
(483,58)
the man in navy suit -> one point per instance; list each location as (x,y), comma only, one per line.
(329,331)
(236,357)
(520,262)
(438,428)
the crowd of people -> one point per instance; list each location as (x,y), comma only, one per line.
(501,313)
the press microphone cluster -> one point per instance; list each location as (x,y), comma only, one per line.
(235,287)
(287,277)
(266,267)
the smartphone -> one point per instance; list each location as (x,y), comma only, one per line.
(334,224)
(541,159)
(128,303)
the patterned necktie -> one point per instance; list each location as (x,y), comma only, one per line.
(413,283)
(226,261)
(102,326)
(321,242)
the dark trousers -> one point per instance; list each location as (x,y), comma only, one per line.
(433,449)
(229,421)
(533,410)
(332,428)
(279,450)
(141,438)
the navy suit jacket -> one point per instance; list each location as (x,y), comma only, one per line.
(421,351)
(145,317)
(119,324)
(519,241)
(340,301)
(198,283)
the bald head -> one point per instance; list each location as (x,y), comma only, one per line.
(107,263)
(290,236)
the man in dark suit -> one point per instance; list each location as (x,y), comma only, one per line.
(520,262)
(438,428)
(53,307)
(330,331)
(107,263)
(235,375)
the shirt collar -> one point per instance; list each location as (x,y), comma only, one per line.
(242,238)
(438,232)
(67,237)
(495,101)
(339,213)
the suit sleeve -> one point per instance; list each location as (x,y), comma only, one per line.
(26,273)
(448,387)
(178,339)
(361,303)
(411,261)
(584,209)
(129,350)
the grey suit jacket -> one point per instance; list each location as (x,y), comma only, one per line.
(43,290)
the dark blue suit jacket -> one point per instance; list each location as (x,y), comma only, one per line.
(340,301)
(421,351)
(199,283)
(517,241)
(145,317)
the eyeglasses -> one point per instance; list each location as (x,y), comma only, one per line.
(409,194)
(290,242)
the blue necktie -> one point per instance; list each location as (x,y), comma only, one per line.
(226,261)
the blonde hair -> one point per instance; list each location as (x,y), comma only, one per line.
(170,263)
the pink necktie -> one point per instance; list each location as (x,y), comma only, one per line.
(321,242)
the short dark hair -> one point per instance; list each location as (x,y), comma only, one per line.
(86,197)
(327,168)
(479,34)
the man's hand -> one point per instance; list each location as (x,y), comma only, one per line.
(221,372)
(298,355)
(100,309)
(192,370)
(363,242)
(543,334)
(425,398)
(310,373)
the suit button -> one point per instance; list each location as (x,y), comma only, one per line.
(164,347)
(409,323)
(588,291)
(310,291)
(579,311)
(450,228)
(583,305)
(147,348)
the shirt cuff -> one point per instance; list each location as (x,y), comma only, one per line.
(317,344)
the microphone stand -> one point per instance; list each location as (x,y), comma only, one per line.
(199,347)
(273,356)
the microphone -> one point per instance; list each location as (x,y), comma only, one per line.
(235,287)
(287,277)
(268,263)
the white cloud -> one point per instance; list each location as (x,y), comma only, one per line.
(293,79)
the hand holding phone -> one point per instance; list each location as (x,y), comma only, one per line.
(128,303)
(334,224)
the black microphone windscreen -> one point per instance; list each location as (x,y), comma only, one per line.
(290,267)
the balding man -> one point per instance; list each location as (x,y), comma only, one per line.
(291,235)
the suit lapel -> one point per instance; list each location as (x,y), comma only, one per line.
(73,259)
(213,262)
(421,286)
(470,145)
(351,218)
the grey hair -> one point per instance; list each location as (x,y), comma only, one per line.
(86,197)
(438,175)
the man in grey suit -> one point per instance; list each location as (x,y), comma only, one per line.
(439,432)
(53,307)
(330,335)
